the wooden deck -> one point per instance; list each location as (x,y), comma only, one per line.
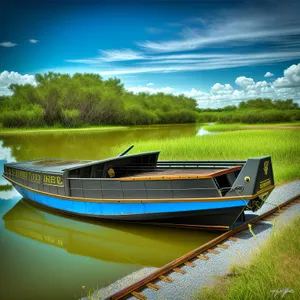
(165,174)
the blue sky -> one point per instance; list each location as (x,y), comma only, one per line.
(219,52)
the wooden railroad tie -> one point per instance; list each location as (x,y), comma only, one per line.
(241,233)
(285,207)
(152,286)
(203,257)
(224,246)
(213,251)
(233,239)
(178,270)
(268,219)
(139,295)
(190,264)
(166,279)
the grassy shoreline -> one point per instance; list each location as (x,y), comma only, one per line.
(274,268)
(238,126)
(58,129)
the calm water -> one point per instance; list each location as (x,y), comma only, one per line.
(48,256)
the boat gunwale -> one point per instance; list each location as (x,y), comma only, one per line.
(157,200)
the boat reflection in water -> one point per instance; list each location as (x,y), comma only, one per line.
(108,241)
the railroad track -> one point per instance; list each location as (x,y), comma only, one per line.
(214,247)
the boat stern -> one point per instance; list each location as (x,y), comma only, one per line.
(256,179)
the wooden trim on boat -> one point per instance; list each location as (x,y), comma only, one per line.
(185,176)
(213,199)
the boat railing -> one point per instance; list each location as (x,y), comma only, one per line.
(200,164)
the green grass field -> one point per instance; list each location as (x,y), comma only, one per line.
(239,126)
(275,267)
(282,145)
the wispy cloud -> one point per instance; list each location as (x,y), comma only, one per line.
(112,55)
(242,26)
(33,41)
(210,63)
(228,40)
(8,44)
(200,41)
(120,55)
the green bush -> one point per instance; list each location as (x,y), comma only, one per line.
(30,117)
(71,118)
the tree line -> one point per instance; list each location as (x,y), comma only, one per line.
(89,100)
(260,110)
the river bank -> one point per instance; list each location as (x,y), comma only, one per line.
(212,127)
(5,131)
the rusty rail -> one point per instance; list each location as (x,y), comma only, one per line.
(174,266)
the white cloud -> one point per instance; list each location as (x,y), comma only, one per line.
(146,89)
(224,94)
(113,55)
(120,55)
(8,44)
(291,77)
(220,89)
(150,84)
(269,74)
(33,41)
(244,82)
(8,78)
(183,62)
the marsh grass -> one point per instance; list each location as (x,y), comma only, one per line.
(282,145)
(274,268)
(238,126)
(59,129)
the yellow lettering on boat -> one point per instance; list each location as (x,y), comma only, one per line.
(31,176)
(53,180)
(266,167)
(263,184)
(59,182)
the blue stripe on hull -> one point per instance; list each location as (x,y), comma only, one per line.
(114,209)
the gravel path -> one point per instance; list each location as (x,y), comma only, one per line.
(186,286)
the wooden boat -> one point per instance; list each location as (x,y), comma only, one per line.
(140,188)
